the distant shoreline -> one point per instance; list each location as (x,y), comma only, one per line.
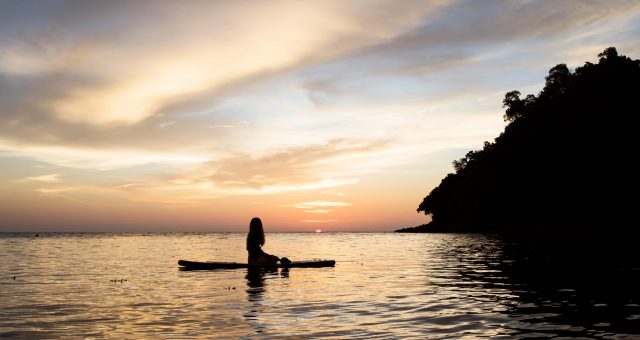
(432,228)
(417,229)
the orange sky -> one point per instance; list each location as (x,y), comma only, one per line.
(332,115)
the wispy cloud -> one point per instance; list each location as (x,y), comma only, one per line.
(315,204)
(466,37)
(123,75)
(166,124)
(319,221)
(318,211)
(62,85)
(303,166)
(102,160)
(52,178)
(58,190)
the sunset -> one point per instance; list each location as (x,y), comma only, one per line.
(341,169)
(178,116)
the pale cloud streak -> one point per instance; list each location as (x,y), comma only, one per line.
(101,160)
(304,166)
(52,178)
(319,221)
(318,211)
(58,190)
(315,204)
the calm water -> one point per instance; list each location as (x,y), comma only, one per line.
(384,285)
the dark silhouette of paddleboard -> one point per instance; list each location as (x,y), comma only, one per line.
(195,265)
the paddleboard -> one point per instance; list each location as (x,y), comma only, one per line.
(235,265)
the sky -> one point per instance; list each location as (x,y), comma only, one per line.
(331,115)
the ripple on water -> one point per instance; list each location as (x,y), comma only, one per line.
(411,286)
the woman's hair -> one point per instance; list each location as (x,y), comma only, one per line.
(256,232)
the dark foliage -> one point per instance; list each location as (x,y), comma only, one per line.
(564,162)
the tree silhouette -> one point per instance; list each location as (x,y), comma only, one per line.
(563,163)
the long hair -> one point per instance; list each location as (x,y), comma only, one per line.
(256,232)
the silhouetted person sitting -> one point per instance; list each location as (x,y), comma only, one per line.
(255,241)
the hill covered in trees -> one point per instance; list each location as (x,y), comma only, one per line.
(566,161)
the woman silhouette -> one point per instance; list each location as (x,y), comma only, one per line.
(255,241)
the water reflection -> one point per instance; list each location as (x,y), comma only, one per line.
(577,288)
(544,289)
(413,286)
(256,288)
(256,282)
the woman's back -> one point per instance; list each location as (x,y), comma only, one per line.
(255,241)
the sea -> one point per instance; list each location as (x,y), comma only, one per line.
(384,285)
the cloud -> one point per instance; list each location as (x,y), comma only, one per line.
(181,103)
(101,160)
(52,178)
(296,167)
(88,70)
(318,211)
(314,204)
(58,190)
(315,207)
(107,76)
(469,26)
(462,40)
(166,124)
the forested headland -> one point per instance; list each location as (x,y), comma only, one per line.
(565,162)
